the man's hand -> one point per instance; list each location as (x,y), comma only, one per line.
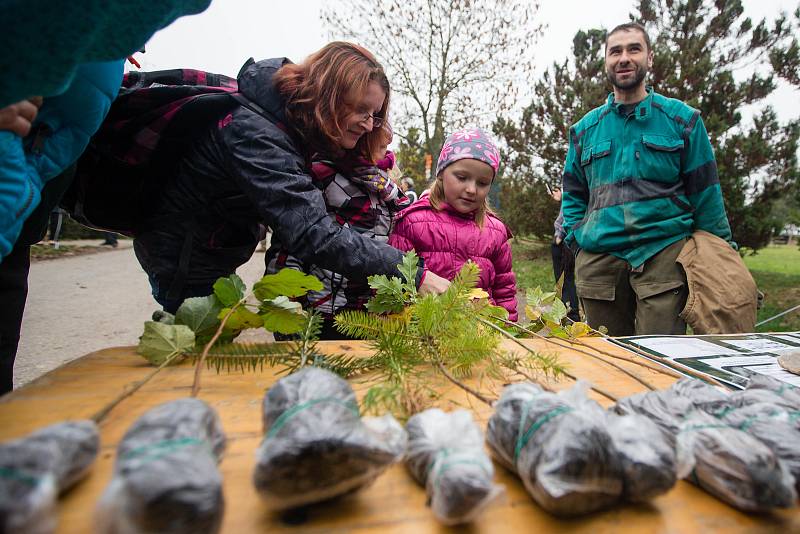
(19,117)
(556,195)
(433,284)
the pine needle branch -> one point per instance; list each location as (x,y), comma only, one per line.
(562,369)
(656,368)
(516,366)
(243,356)
(307,344)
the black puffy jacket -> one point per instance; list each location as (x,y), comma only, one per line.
(243,170)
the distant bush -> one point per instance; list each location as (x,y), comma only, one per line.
(74,230)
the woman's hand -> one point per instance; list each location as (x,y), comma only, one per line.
(19,117)
(432,283)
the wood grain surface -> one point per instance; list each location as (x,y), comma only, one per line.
(394,503)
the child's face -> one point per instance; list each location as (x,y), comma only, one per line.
(466,184)
(386,140)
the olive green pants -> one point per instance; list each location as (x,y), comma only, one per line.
(633,302)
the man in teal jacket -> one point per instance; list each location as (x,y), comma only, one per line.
(639,178)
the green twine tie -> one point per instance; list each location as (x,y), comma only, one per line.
(18,475)
(523,438)
(445,465)
(294,410)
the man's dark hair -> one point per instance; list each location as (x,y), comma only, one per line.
(631,26)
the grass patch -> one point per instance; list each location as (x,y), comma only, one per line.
(532,264)
(776,270)
(49,252)
(783,259)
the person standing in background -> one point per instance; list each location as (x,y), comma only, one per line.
(564,263)
(639,179)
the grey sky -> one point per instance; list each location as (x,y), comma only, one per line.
(230,31)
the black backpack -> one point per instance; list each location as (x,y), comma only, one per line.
(141,141)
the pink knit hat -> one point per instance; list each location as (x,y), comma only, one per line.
(472,143)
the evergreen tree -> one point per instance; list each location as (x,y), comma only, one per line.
(411,158)
(699,45)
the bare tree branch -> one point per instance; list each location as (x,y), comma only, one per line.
(450,62)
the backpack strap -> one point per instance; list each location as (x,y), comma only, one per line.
(254,107)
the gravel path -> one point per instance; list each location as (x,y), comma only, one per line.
(77,305)
(81,304)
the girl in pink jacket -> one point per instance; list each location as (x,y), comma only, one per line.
(455,224)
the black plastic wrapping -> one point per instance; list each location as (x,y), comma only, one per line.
(774,426)
(649,463)
(762,388)
(664,408)
(445,454)
(725,461)
(732,465)
(316,444)
(34,469)
(558,447)
(166,479)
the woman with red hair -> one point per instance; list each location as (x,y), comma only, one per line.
(253,166)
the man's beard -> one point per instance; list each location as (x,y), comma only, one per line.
(640,73)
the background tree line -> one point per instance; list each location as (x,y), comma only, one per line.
(440,52)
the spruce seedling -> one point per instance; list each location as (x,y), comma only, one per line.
(421,341)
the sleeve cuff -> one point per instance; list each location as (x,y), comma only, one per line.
(421,272)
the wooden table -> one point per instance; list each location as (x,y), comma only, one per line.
(395,503)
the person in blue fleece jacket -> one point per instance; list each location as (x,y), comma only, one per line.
(71,53)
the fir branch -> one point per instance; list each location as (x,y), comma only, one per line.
(306,346)
(346,366)
(253,356)
(242,356)
(363,325)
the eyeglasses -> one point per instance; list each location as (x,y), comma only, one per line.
(377,120)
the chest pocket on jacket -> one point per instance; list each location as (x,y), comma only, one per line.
(596,160)
(660,158)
